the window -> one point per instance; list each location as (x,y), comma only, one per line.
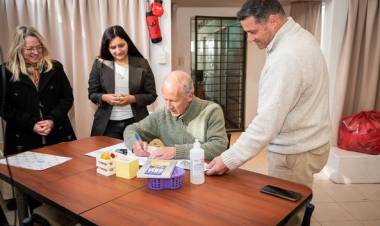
(218,65)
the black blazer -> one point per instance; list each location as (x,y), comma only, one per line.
(102,81)
(23,103)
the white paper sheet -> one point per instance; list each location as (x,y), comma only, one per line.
(34,160)
(185,164)
(113,148)
(109,149)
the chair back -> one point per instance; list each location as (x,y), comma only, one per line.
(229,140)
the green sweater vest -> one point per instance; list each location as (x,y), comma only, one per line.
(202,120)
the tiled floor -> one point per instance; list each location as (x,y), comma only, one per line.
(335,204)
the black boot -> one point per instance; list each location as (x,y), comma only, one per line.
(11,204)
(3,218)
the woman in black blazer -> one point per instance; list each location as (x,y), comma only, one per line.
(121,84)
(38,95)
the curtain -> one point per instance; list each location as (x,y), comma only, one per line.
(357,86)
(308,15)
(73,30)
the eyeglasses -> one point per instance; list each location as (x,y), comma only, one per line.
(31,49)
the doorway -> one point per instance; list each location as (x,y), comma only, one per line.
(218,60)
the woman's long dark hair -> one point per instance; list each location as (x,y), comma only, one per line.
(111,33)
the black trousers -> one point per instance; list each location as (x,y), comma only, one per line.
(3,218)
(116,129)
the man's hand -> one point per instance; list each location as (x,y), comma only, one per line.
(216,167)
(164,153)
(140,148)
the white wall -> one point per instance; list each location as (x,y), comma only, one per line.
(181,56)
(182,32)
(332,35)
(255,62)
(160,53)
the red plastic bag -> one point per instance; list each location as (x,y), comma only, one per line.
(360,133)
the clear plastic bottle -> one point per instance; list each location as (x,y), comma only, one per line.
(197,156)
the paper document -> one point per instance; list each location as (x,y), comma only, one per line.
(113,148)
(109,149)
(34,160)
(157,169)
(185,164)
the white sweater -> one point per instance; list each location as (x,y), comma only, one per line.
(292,115)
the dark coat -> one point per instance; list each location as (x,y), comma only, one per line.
(102,81)
(23,104)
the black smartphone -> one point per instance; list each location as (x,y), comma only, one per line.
(281,192)
(122,151)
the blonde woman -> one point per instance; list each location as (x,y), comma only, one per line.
(38,95)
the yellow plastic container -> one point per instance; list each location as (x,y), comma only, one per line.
(127,168)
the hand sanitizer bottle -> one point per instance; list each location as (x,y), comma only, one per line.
(197,155)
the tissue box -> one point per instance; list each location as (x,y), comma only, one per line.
(127,168)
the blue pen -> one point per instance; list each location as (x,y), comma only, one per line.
(138,138)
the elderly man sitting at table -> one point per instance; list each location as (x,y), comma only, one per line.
(183,119)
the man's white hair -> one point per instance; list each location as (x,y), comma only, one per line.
(182,78)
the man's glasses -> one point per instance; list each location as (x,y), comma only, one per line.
(31,49)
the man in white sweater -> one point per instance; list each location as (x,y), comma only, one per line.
(292,117)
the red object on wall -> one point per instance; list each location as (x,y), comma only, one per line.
(153,27)
(157,8)
(360,133)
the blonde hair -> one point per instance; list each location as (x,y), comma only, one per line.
(16,63)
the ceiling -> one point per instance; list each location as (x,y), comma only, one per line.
(208,3)
(218,3)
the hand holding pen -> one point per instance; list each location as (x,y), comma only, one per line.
(140,148)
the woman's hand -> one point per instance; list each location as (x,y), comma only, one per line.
(118,99)
(43,127)
(126,99)
(111,99)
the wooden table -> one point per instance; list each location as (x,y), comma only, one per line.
(93,199)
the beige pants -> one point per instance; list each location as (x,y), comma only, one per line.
(298,168)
